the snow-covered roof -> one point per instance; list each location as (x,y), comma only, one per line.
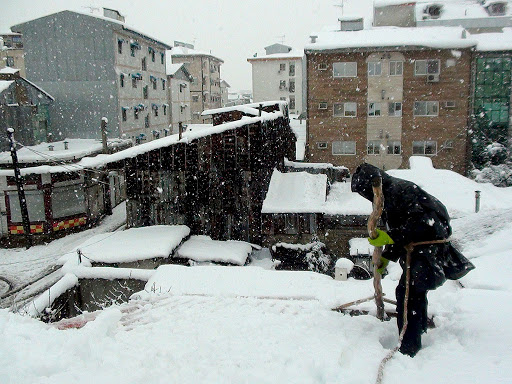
(9,70)
(295,192)
(204,249)
(382,37)
(4,84)
(184,51)
(293,54)
(130,245)
(77,149)
(342,201)
(171,69)
(487,42)
(297,164)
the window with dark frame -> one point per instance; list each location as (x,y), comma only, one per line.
(373,147)
(396,68)
(123,114)
(121,80)
(426,108)
(374,109)
(395,108)
(426,67)
(394,147)
(120,46)
(427,147)
(144,64)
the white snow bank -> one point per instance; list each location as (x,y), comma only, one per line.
(133,244)
(455,191)
(110,273)
(360,246)
(37,306)
(203,248)
(295,192)
(300,165)
(342,201)
(297,247)
(253,282)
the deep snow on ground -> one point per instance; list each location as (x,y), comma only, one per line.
(266,326)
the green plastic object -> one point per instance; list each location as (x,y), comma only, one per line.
(381,240)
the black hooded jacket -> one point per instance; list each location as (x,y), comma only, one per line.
(412,215)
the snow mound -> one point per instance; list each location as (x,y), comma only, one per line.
(420,163)
(345,263)
(203,249)
(134,244)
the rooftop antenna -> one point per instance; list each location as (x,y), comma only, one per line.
(282,37)
(341,5)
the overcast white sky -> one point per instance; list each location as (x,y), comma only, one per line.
(231,29)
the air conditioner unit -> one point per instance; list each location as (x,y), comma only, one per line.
(322,67)
(322,145)
(433,78)
(449,104)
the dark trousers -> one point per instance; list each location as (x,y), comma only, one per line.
(416,317)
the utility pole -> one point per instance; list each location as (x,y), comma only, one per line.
(21,191)
(104,122)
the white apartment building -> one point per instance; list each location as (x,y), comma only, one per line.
(278,75)
(179,81)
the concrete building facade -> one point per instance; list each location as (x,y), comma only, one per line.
(179,82)
(95,66)
(278,75)
(205,89)
(11,52)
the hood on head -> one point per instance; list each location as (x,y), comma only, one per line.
(362,180)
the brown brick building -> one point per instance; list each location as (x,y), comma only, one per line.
(384,94)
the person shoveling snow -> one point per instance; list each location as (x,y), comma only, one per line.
(419,222)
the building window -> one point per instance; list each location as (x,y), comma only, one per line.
(132,50)
(195,98)
(344,69)
(282,67)
(9,61)
(163,84)
(321,145)
(292,86)
(394,147)
(292,102)
(153,56)
(426,67)
(136,113)
(345,109)
(424,148)
(165,109)
(374,68)
(322,67)
(123,113)
(153,82)
(282,84)
(395,109)
(121,80)
(396,68)
(426,108)
(322,105)
(291,69)
(374,109)
(144,64)
(162,57)
(145,92)
(120,46)
(373,147)
(343,147)
(134,82)
(146,121)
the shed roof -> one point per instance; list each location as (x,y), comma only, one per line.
(295,192)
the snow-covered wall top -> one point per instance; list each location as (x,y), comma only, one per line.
(432,37)
(300,165)
(293,54)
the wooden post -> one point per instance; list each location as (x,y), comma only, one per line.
(104,122)
(378,206)
(21,192)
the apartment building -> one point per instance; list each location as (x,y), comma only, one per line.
(96,66)
(11,52)
(205,89)
(277,75)
(179,81)
(382,95)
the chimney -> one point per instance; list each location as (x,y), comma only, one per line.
(313,39)
(351,23)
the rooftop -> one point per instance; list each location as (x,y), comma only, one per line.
(184,51)
(384,37)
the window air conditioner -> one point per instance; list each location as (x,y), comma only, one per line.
(433,78)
